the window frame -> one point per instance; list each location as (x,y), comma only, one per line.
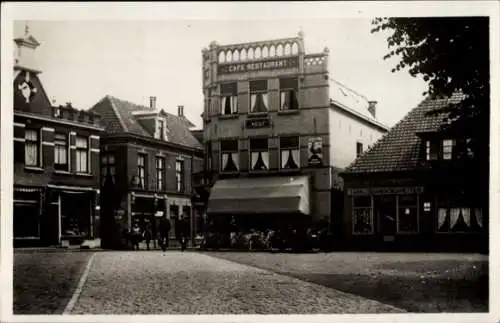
(232,96)
(36,143)
(258,150)
(179,176)
(57,147)
(371,214)
(78,153)
(252,92)
(160,173)
(443,149)
(284,90)
(142,176)
(107,165)
(359,151)
(281,149)
(225,151)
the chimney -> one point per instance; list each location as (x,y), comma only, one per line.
(180,110)
(372,108)
(152,102)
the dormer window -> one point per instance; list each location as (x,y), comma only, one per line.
(447,149)
(161,129)
(431,150)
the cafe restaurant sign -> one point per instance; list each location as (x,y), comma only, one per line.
(258,66)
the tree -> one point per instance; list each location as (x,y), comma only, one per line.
(452,56)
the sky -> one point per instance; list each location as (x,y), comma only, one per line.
(82,61)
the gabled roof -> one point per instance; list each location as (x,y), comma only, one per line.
(118,117)
(399,149)
(352,102)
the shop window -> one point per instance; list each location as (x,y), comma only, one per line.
(108,170)
(179,175)
(26,220)
(459,219)
(359,149)
(160,173)
(259,96)
(407,220)
(362,215)
(60,151)
(82,155)
(141,170)
(229,98)
(288,94)
(259,154)
(290,152)
(32,148)
(229,156)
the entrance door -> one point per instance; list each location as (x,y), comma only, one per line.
(385,214)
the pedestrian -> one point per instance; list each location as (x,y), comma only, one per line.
(136,236)
(164,231)
(148,235)
(183,234)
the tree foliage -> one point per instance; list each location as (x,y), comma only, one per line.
(452,55)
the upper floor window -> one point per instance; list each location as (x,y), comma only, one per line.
(258,96)
(60,151)
(229,155)
(447,149)
(82,155)
(31,148)
(108,170)
(179,175)
(161,129)
(431,150)
(141,170)
(160,171)
(288,94)
(290,152)
(259,154)
(359,149)
(229,98)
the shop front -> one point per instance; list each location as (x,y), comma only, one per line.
(414,218)
(27,210)
(259,204)
(147,210)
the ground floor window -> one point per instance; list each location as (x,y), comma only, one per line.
(26,220)
(362,215)
(76,210)
(459,219)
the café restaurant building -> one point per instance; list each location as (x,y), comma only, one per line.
(277,129)
(419,188)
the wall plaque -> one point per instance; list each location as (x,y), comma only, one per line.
(315,151)
(257,123)
(257,66)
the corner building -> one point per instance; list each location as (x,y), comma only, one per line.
(277,130)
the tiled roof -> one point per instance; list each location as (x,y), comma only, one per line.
(399,149)
(351,101)
(117,117)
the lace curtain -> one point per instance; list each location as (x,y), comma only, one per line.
(259,102)
(290,158)
(454,214)
(230,162)
(260,160)
(441,218)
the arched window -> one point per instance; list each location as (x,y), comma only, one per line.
(258,53)
(279,50)
(236,55)
(295,49)
(272,51)
(265,52)
(222,57)
(288,49)
(243,54)
(229,56)
(250,53)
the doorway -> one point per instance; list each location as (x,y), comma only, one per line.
(385,214)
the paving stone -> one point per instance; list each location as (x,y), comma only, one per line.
(194,283)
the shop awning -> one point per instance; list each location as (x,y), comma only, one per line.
(264,195)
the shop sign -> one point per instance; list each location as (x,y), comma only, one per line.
(385,191)
(315,151)
(257,123)
(258,66)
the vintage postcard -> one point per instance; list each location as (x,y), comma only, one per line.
(248,161)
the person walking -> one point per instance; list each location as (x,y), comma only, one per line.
(183,232)
(164,231)
(148,235)
(136,236)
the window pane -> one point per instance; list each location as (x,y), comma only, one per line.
(362,220)
(31,154)
(81,142)
(31,135)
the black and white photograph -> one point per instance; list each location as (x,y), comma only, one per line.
(250,159)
